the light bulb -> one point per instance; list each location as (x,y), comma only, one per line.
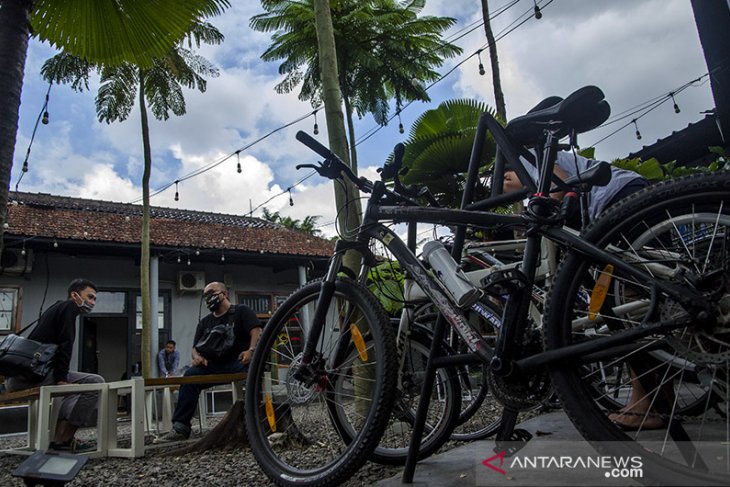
(481,69)
(44,120)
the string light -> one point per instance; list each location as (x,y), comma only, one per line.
(638,134)
(22,251)
(197,251)
(177,195)
(676,107)
(400,123)
(44,120)
(238,164)
(538,13)
(188,260)
(55,243)
(291,201)
(178,259)
(481,66)
(316,127)
(223,256)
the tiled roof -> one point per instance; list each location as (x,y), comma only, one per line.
(63,217)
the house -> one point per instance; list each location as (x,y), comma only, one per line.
(50,240)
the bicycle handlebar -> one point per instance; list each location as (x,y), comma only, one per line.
(332,167)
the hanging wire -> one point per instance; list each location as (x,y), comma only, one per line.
(538,13)
(42,118)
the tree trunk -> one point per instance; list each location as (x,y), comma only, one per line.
(14,32)
(348,202)
(494,62)
(229,434)
(348,118)
(144,263)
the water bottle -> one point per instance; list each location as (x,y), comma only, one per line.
(450,275)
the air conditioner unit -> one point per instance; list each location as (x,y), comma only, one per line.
(190,280)
(13,262)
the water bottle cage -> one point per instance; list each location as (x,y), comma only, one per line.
(505,281)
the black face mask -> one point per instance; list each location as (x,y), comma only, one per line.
(213,302)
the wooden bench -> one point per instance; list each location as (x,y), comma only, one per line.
(168,384)
(43,414)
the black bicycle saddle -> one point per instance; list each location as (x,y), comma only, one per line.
(582,110)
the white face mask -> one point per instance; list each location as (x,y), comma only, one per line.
(85,306)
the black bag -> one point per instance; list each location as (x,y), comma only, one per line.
(22,357)
(218,340)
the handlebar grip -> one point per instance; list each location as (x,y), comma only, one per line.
(313,144)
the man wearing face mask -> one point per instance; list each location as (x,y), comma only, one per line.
(58,325)
(246,328)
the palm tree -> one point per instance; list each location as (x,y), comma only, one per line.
(439,147)
(384,50)
(160,86)
(102,31)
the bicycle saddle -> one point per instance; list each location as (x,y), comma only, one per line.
(582,110)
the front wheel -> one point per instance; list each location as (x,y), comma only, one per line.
(289,405)
(663,397)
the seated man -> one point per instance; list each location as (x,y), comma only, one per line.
(246,328)
(168,360)
(58,325)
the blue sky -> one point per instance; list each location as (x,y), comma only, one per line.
(635,50)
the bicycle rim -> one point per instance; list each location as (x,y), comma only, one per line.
(678,231)
(293,435)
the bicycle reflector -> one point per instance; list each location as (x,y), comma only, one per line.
(359,342)
(600,290)
(267,402)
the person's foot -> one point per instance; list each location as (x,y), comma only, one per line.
(633,421)
(170,436)
(73,445)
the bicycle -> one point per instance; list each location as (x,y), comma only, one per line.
(646,284)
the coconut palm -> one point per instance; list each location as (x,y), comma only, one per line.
(439,147)
(100,31)
(160,87)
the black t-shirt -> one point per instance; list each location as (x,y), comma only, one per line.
(58,325)
(244,320)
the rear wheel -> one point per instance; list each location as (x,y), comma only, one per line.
(678,232)
(289,405)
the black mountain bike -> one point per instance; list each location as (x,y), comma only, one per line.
(651,275)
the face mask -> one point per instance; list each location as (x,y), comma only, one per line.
(213,302)
(85,307)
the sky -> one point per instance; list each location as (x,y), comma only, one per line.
(634,50)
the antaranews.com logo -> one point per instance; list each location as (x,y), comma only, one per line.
(618,467)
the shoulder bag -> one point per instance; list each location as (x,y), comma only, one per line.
(218,340)
(26,358)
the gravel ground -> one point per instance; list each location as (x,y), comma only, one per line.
(155,469)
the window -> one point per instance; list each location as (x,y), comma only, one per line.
(259,303)
(160,312)
(9,309)
(111,302)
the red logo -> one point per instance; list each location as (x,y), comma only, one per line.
(488,462)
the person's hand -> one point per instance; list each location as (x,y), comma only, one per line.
(200,360)
(246,356)
(511,182)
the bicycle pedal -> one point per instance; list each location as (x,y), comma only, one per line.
(505,281)
(516,442)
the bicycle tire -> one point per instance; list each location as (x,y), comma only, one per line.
(443,409)
(292,434)
(684,223)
